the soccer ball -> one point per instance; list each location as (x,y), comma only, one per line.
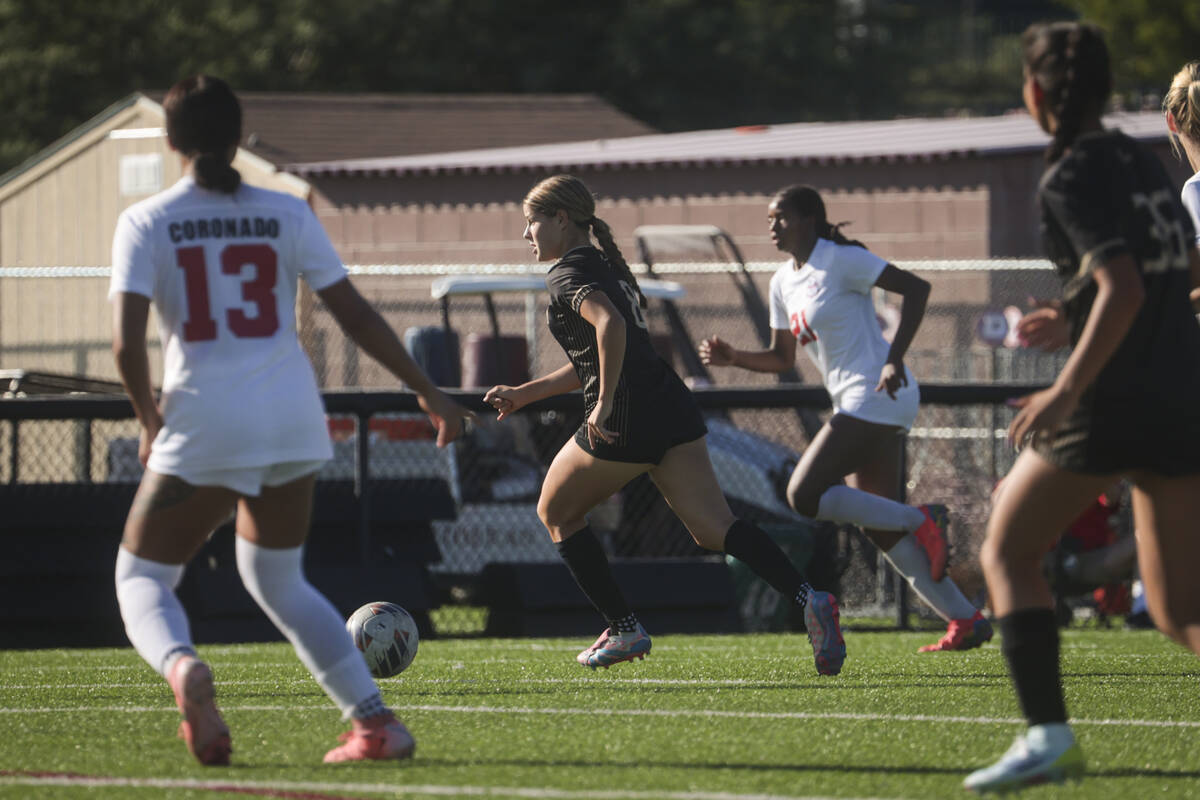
(387,636)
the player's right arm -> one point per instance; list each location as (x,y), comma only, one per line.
(130,314)
(716,352)
(507,399)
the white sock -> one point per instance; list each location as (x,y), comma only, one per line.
(944,597)
(310,622)
(154,618)
(844,504)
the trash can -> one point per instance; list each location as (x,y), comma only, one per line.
(761,607)
(435,349)
(489,360)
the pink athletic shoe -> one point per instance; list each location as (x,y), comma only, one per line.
(963,634)
(822,620)
(375,738)
(585,656)
(933,539)
(206,734)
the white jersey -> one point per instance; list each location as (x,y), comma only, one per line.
(222,270)
(827,306)
(1191,201)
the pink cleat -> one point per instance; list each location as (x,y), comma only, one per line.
(822,620)
(375,738)
(585,655)
(933,539)
(614,648)
(963,634)
(206,734)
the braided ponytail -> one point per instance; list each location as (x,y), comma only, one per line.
(568,193)
(604,237)
(1069,61)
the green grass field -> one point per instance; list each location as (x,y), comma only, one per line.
(702,718)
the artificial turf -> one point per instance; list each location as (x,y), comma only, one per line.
(702,718)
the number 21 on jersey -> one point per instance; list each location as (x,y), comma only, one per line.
(259,264)
(801,331)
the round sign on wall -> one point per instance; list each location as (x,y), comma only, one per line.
(992,327)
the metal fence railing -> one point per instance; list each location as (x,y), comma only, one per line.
(955,455)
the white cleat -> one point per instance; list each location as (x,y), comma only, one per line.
(1043,754)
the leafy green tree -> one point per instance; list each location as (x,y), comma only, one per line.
(676,64)
(1149,40)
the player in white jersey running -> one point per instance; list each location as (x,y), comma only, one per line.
(821,297)
(240,422)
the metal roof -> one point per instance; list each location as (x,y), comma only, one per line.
(794,143)
(298,127)
(488,284)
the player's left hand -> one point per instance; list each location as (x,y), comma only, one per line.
(1041,412)
(146,437)
(597,422)
(891,378)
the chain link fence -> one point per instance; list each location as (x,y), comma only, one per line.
(955,452)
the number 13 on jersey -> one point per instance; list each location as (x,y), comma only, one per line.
(258,287)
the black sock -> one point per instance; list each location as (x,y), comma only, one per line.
(1030,645)
(586,560)
(751,545)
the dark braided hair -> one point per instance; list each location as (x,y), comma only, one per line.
(1069,61)
(204,119)
(806,201)
(568,193)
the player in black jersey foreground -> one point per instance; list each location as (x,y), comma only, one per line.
(639,418)
(1126,403)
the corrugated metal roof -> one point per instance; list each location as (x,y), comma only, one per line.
(885,140)
(290,127)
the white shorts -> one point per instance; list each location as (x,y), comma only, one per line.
(863,402)
(250,480)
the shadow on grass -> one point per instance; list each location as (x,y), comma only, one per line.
(862,769)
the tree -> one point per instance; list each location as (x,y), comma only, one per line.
(1149,41)
(676,64)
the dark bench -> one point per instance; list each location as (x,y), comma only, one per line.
(60,539)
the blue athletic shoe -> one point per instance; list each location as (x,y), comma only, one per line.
(613,648)
(821,619)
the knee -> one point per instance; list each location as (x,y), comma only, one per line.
(804,500)
(268,572)
(549,515)
(1000,556)
(709,537)
(558,523)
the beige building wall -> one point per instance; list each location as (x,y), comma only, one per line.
(60,213)
(465,219)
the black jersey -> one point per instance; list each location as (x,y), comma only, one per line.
(1110,196)
(652,408)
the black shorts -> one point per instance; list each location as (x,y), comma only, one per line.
(657,422)
(1163,443)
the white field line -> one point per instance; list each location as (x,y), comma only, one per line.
(413,683)
(631,712)
(267,789)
